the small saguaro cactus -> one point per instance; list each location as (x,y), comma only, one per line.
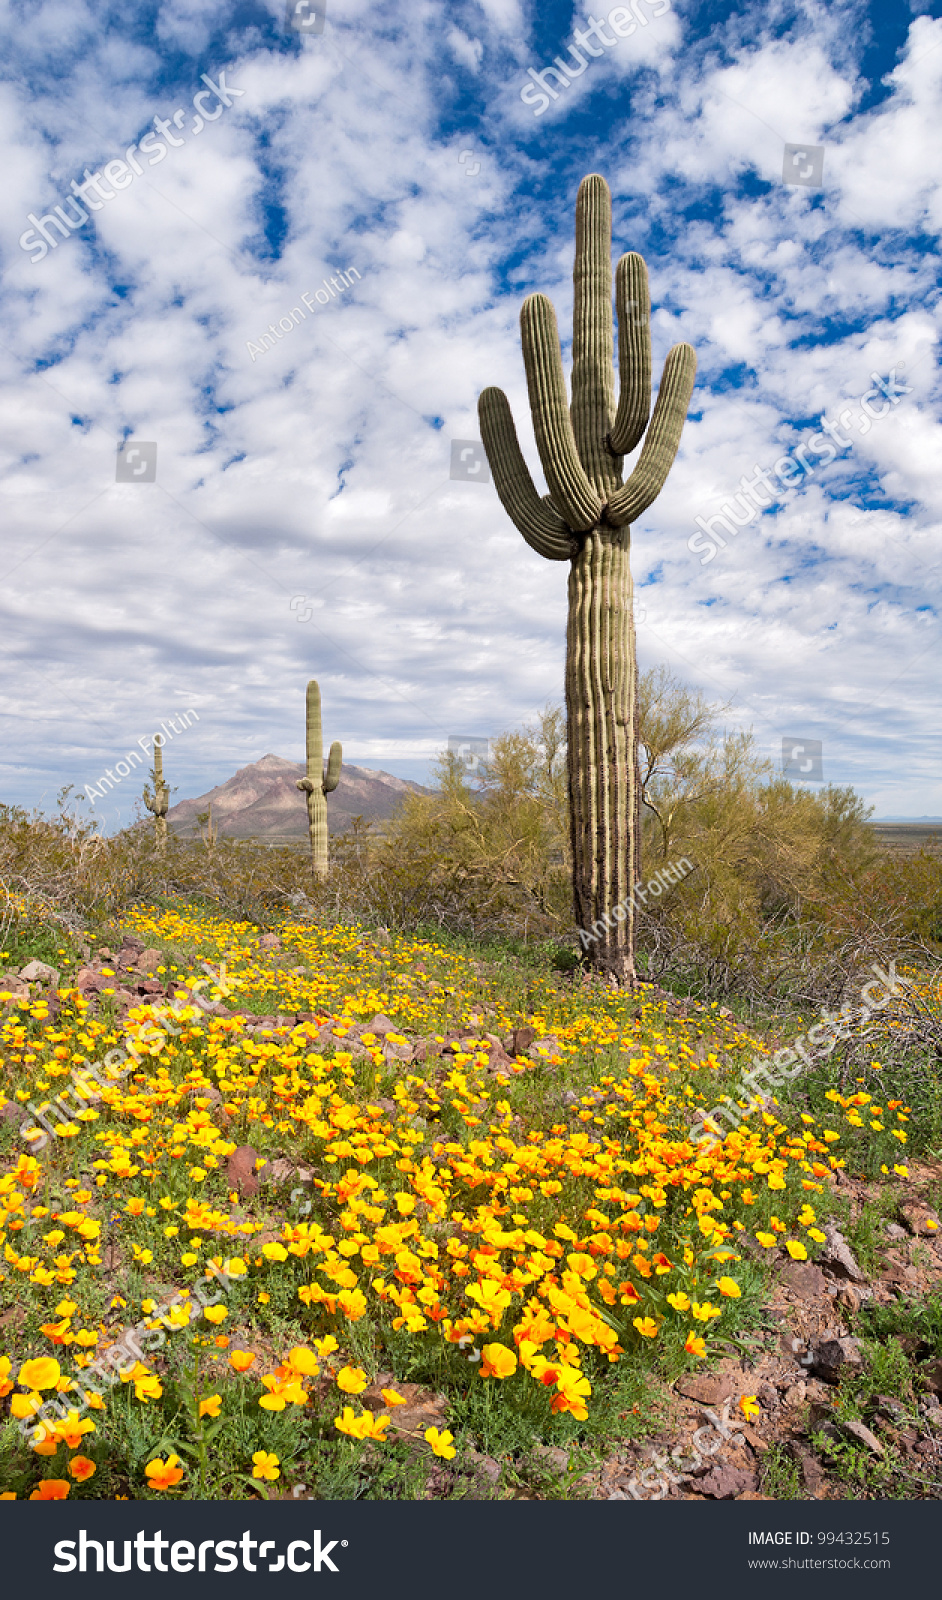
(585,520)
(157,799)
(318,784)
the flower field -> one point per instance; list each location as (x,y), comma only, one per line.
(327,1225)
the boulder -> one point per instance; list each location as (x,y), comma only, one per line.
(726,1482)
(519,1041)
(804,1279)
(708,1388)
(39,972)
(544,1049)
(834,1356)
(240,1171)
(380,1025)
(838,1256)
(919,1219)
(861,1433)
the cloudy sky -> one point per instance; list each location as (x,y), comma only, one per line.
(302,520)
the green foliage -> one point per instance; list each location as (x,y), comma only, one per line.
(781,1475)
(918,1321)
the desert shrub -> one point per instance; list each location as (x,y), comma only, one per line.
(62,870)
(790,899)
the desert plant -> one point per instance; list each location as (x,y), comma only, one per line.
(585,520)
(205,822)
(157,799)
(318,784)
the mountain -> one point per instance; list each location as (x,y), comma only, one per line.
(913,821)
(261,801)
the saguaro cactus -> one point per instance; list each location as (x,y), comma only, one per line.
(158,799)
(318,784)
(585,520)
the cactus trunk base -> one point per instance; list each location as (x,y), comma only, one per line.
(604,783)
(317,829)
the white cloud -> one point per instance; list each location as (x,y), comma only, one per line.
(468,51)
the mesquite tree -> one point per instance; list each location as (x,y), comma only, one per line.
(585,520)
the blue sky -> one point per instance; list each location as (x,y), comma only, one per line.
(302,520)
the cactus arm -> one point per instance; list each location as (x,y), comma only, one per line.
(541,526)
(334,762)
(661,441)
(593,394)
(578,503)
(634,353)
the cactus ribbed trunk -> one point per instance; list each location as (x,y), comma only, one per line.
(585,519)
(604,779)
(318,785)
(158,801)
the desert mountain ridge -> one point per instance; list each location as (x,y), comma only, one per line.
(260,801)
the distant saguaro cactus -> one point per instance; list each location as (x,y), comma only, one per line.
(157,799)
(585,520)
(318,784)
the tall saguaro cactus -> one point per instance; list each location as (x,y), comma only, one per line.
(585,520)
(158,799)
(318,784)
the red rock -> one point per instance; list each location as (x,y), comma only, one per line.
(240,1171)
(708,1388)
(805,1280)
(380,1025)
(726,1482)
(917,1218)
